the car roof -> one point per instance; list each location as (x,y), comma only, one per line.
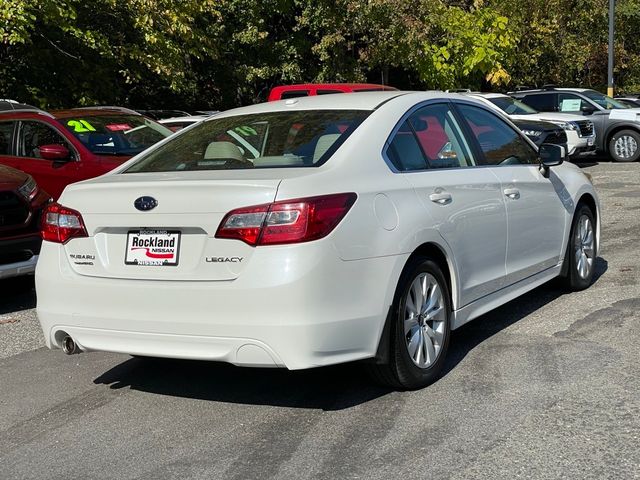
(362,101)
(487,94)
(190,118)
(93,111)
(554,89)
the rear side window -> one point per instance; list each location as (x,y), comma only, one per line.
(6,137)
(543,102)
(264,140)
(500,144)
(440,137)
(294,94)
(404,151)
(327,92)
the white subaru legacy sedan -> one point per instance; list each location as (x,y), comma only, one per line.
(315,231)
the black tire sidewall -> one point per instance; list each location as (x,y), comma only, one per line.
(631,133)
(576,282)
(409,375)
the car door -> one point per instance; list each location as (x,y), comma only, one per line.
(536,215)
(572,103)
(52,176)
(463,203)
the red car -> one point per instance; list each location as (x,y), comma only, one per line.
(21,204)
(284,92)
(63,147)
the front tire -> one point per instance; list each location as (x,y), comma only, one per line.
(420,328)
(624,146)
(581,251)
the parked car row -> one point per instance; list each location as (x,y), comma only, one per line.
(62,147)
(59,148)
(617,126)
(578,136)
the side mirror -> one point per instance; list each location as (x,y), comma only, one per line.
(54,152)
(551,155)
(587,109)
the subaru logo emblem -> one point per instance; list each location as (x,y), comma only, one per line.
(145,203)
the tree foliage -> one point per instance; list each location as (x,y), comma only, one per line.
(222,53)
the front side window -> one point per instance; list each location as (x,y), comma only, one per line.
(571,103)
(6,137)
(262,140)
(33,135)
(125,135)
(500,144)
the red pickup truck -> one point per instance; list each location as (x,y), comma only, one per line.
(284,92)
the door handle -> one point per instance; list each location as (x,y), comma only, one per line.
(512,193)
(441,198)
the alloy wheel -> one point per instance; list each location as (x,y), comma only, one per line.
(424,320)
(584,247)
(625,146)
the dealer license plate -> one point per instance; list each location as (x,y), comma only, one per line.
(152,247)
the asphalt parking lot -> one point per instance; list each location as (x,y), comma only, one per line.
(546,386)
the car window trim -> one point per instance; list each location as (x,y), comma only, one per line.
(75,157)
(476,145)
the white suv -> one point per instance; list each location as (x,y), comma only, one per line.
(581,135)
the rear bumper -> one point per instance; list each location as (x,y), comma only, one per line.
(18,256)
(295,307)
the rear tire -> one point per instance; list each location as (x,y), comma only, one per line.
(624,146)
(420,328)
(580,256)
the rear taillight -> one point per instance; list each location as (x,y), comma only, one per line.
(61,224)
(290,221)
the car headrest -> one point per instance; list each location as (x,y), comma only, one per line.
(323,144)
(220,150)
(419,124)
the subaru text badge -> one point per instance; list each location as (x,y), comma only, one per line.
(145,203)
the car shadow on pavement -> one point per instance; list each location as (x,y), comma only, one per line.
(467,337)
(17,293)
(329,388)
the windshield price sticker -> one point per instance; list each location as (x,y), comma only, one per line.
(570,105)
(152,248)
(118,127)
(81,126)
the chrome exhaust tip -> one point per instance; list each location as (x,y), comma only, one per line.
(69,346)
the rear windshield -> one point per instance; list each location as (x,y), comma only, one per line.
(125,135)
(264,140)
